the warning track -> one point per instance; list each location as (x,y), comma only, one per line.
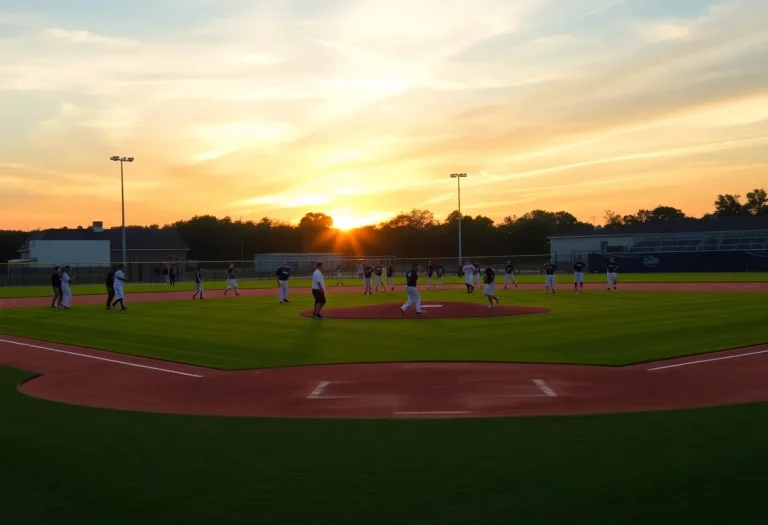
(392,390)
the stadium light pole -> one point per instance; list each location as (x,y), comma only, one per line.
(458,177)
(116,158)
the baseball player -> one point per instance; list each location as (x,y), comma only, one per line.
(340,275)
(110,284)
(378,271)
(509,274)
(390,276)
(578,275)
(318,291)
(469,272)
(489,279)
(283,274)
(440,272)
(613,279)
(430,273)
(56,285)
(367,273)
(411,279)
(119,292)
(198,283)
(549,275)
(476,274)
(231,282)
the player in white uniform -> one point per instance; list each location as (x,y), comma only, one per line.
(340,275)
(469,275)
(66,289)
(231,281)
(476,274)
(119,282)
(411,279)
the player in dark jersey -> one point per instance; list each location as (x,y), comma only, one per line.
(378,271)
(489,280)
(198,283)
(613,278)
(231,282)
(390,276)
(411,279)
(430,273)
(440,272)
(58,296)
(283,274)
(549,274)
(509,274)
(110,284)
(578,275)
(367,273)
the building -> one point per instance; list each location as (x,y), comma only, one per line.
(92,251)
(675,251)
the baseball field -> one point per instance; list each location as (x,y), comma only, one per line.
(643,405)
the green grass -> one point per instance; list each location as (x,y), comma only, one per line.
(590,328)
(96,289)
(71,465)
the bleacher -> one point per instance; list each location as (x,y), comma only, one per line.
(721,241)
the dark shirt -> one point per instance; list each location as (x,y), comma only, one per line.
(56,280)
(430,270)
(411,278)
(477,268)
(440,271)
(199,276)
(509,269)
(579,267)
(231,272)
(283,273)
(612,267)
(377,270)
(367,271)
(549,269)
(490,275)
(390,271)
(110,282)
(172,272)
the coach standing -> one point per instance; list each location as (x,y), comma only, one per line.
(411,279)
(283,274)
(318,291)
(56,285)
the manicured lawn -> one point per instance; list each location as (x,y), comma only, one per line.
(97,289)
(72,465)
(247,332)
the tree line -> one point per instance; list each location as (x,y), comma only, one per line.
(417,233)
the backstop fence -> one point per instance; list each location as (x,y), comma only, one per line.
(33,274)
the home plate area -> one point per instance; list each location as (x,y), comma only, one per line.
(430,398)
(432,310)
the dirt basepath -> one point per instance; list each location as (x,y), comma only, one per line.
(143,297)
(394,390)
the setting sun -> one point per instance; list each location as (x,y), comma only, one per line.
(347,221)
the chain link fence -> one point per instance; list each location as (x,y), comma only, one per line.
(32,274)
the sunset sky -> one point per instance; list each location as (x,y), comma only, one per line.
(362,108)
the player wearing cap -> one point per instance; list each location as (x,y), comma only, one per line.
(469,272)
(231,282)
(378,271)
(509,274)
(549,275)
(578,275)
(367,273)
(318,291)
(390,276)
(612,270)
(411,279)
(489,280)
(283,274)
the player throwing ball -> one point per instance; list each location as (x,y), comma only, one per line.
(489,280)
(411,279)
(231,281)
(613,278)
(578,275)
(509,274)
(549,275)
(283,274)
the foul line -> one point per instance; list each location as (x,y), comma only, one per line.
(438,412)
(544,388)
(126,363)
(709,360)
(317,392)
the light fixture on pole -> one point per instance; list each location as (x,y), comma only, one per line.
(116,158)
(458,177)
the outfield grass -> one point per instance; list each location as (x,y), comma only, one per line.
(72,465)
(247,332)
(97,289)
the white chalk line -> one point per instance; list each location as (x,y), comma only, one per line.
(318,391)
(433,413)
(431,305)
(126,363)
(709,360)
(544,388)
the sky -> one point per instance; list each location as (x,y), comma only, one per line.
(361,108)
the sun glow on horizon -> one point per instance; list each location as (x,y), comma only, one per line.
(347,221)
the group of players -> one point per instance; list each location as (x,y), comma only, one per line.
(579,267)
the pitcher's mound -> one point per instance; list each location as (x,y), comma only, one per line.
(432,310)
